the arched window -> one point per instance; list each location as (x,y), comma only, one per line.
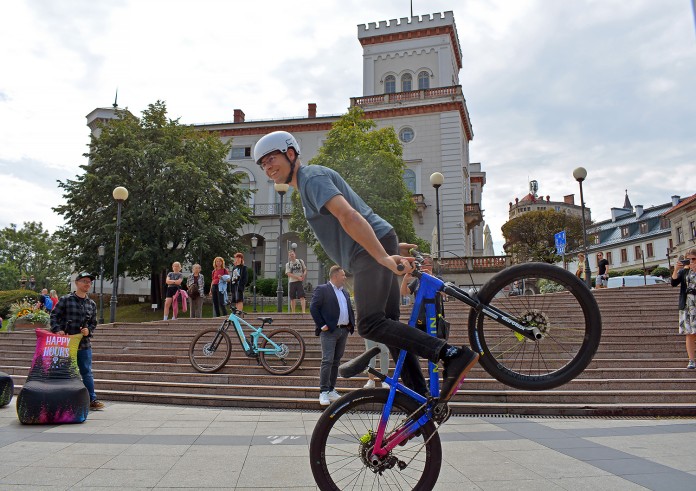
(423,80)
(406,82)
(410,180)
(245,183)
(389,84)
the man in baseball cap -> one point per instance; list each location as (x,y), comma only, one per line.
(77,313)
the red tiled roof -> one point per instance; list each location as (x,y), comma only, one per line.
(683,203)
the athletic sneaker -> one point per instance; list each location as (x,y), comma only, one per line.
(370,384)
(456,369)
(334,396)
(96,405)
(691,364)
(324,399)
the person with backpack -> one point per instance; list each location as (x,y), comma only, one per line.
(296,271)
(196,286)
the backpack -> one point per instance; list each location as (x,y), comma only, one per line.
(193,289)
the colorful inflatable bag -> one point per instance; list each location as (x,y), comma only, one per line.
(54,392)
(6,389)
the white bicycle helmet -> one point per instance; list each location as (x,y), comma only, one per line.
(278,140)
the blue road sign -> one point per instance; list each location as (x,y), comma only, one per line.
(560,239)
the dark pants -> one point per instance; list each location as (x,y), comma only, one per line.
(218,302)
(377,301)
(333,344)
(84,363)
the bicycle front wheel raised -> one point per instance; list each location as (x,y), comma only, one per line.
(288,351)
(554,301)
(342,440)
(210,350)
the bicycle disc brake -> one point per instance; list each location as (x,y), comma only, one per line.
(534,318)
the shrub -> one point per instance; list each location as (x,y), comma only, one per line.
(268,287)
(633,272)
(662,272)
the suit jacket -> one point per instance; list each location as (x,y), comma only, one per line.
(325,309)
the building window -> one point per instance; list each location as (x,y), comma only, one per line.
(624,231)
(594,238)
(624,255)
(410,180)
(664,222)
(423,80)
(692,226)
(389,84)
(638,252)
(406,82)
(643,227)
(239,153)
(649,250)
(608,256)
(680,235)
(406,134)
(671,244)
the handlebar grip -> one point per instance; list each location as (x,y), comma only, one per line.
(400,267)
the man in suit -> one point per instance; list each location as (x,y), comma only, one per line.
(333,315)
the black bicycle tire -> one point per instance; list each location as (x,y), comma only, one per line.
(294,366)
(586,351)
(192,349)
(332,415)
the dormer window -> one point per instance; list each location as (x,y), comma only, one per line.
(406,82)
(389,84)
(423,80)
(624,231)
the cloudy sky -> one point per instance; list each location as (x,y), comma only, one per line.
(549,84)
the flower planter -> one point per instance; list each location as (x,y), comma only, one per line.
(29,325)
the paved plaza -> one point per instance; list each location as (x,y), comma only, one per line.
(143,446)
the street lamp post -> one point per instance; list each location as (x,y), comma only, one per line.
(580,174)
(281,189)
(436,180)
(48,271)
(120,194)
(101,250)
(254,243)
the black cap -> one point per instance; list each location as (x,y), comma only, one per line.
(85,274)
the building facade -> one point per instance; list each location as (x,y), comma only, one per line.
(682,220)
(411,83)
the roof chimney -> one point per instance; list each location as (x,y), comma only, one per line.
(675,200)
(238,116)
(311,110)
(618,212)
(569,199)
(639,211)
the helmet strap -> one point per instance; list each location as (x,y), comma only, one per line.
(292,166)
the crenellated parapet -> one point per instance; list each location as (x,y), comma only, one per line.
(414,27)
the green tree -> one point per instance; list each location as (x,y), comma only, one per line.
(530,237)
(370,161)
(184,200)
(30,250)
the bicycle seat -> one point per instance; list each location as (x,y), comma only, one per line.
(266,320)
(359,364)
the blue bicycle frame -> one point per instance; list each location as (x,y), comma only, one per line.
(428,289)
(256,333)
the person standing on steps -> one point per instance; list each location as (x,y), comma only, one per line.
(333,316)
(219,271)
(684,276)
(365,244)
(296,271)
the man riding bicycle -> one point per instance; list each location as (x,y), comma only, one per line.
(366,245)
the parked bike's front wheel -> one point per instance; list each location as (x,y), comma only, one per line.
(554,301)
(210,350)
(344,436)
(287,354)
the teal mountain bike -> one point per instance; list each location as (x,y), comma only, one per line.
(280,352)
(536,326)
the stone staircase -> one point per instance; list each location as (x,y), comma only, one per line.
(639,368)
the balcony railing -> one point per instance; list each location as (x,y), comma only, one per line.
(412,95)
(271,209)
(472,215)
(479,264)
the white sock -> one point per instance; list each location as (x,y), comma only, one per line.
(166,317)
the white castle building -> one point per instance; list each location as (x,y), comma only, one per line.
(410,82)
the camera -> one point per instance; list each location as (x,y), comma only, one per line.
(685,262)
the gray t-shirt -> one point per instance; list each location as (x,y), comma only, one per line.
(317,185)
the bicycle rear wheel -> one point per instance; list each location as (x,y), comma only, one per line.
(288,356)
(340,447)
(555,301)
(210,350)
